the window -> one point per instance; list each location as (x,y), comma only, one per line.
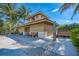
(36,17)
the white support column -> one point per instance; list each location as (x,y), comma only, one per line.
(24,33)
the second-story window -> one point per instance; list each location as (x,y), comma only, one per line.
(41,17)
(36,18)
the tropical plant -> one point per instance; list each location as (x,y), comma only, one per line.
(75,37)
(1,24)
(68,26)
(12,14)
(6,28)
(75,31)
(66,6)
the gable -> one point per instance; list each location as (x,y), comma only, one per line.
(38,16)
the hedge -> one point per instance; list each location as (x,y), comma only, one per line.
(75,37)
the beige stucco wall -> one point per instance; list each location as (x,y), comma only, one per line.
(48,27)
(42,27)
(49,33)
(24,30)
(21,29)
(37,27)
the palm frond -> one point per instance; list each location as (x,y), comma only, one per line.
(65,6)
(75,11)
(23,12)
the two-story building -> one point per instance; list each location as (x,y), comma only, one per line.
(38,23)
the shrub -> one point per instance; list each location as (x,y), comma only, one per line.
(75,37)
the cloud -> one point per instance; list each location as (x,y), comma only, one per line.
(67,21)
(78,22)
(55,10)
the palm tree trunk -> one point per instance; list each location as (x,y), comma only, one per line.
(10,30)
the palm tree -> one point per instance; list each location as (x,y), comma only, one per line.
(8,10)
(12,14)
(22,13)
(68,5)
(1,22)
(64,7)
(1,25)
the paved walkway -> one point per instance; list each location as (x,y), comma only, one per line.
(66,47)
(27,46)
(9,43)
(24,45)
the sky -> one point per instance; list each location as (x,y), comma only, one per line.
(52,11)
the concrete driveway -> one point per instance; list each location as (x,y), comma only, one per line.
(18,45)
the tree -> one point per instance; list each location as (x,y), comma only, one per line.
(8,11)
(6,28)
(12,14)
(74,32)
(1,22)
(68,5)
(1,25)
(75,37)
(68,26)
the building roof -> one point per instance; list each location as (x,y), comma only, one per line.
(42,21)
(38,21)
(38,13)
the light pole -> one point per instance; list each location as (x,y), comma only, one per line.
(54,31)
